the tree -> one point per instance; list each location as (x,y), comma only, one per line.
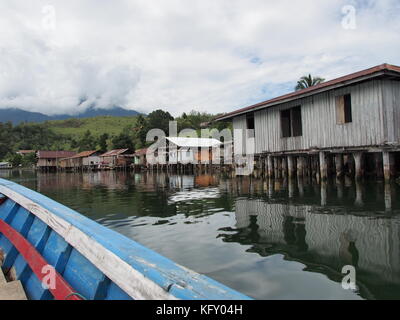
(87,142)
(140,131)
(29,159)
(15,159)
(6,139)
(308,81)
(159,119)
(103,142)
(124,140)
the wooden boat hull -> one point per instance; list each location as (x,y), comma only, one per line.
(58,253)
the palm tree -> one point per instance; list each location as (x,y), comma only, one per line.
(308,81)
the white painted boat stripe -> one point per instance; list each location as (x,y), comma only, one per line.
(134,283)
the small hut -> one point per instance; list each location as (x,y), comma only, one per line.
(50,160)
(118,158)
(82,160)
(5,165)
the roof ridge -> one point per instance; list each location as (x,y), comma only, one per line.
(294,94)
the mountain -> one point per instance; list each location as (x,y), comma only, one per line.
(17,116)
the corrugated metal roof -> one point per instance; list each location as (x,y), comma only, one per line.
(55,154)
(83,154)
(339,82)
(194,142)
(115,152)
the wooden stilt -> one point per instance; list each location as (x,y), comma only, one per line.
(379,166)
(339,162)
(300,168)
(388,165)
(389,197)
(359,166)
(340,188)
(270,166)
(323,166)
(284,167)
(359,194)
(324,193)
(291,168)
(279,162)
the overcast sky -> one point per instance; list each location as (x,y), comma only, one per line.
(208,55)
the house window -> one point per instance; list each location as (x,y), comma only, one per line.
(343,109)
(250,126)
(285,123)
(291,122)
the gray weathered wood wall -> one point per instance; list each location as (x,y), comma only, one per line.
(375,113)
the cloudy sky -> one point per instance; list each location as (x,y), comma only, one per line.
(60,56)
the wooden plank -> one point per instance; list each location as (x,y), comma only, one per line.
(12,291)
(340,115)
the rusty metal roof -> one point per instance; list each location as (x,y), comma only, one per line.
(383,69)
(83,154)
(115,152)
(55,154)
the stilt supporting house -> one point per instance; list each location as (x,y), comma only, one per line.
(358,161)
(323,166)
(291,168)
(339,163)
(388,165)
(270,166)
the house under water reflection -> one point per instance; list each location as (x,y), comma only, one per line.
(326,227)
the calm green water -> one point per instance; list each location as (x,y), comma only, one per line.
(267,239)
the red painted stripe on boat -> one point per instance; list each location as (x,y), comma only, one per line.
(62,290)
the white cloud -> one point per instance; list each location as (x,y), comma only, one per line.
(180,55)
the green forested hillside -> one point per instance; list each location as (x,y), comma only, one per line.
(76,128)
(99,133)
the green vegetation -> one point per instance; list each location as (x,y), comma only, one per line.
(76,128)
(308,81)
(101,133)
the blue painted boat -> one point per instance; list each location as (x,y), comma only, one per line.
(57,253)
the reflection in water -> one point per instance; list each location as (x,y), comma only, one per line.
(270,239)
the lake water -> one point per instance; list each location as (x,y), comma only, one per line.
(267,239)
